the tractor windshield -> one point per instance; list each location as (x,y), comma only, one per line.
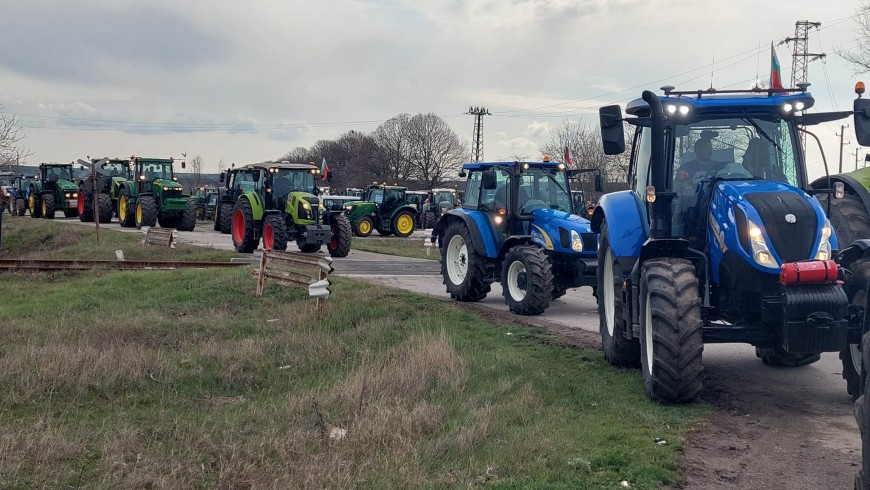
(7,180)
(285,181)
(735,148)
(445,196)
(63,172)
(116,169)
(157,170)
(544,188)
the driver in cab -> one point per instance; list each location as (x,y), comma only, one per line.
(703,166)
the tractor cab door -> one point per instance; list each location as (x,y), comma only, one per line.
(491,196)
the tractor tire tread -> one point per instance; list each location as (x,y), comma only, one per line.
(343,230)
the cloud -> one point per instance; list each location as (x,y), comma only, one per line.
(537,129)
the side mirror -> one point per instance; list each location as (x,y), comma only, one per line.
(462,173)
(488,179)
(612,135)
(222,177)
(862,121)
(183,165)
(599,183)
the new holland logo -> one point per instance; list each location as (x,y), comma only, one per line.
(790,218)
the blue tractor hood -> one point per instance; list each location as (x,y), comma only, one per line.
(790,220)
(552,229)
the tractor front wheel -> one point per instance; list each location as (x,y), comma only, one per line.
(671,330)
(429,219)
(104,201)
(243,227)
(618,350)
(34,205)
(188,218)
(403,224)
(777,357)
(125,210)
(527,280)
(462,269)
(226,218)
(146,211)
(363,227)
(339,243)
(47,206)
(559,291)
(20,206)
(274,232)
(85,205)
(856,290)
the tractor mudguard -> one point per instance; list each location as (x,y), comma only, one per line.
(858,182)
(511,242)
(626,223)
(256,204)
(483,244)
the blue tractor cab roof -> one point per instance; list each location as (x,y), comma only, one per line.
(485,165)
(704,103)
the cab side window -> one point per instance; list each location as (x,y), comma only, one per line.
(472,190)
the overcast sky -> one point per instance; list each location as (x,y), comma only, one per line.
(247,81)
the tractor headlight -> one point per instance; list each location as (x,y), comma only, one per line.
(75,194)
(68,195)
(166,188)
(760,251)
(824,252)
(498,219)
(305,205)
(576,242)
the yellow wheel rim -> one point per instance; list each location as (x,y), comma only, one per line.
(138,213)
(44,209)
(122,208)
(32,203)
(365,227)
(404,224)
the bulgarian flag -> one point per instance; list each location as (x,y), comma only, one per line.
(324,170)
(775,71)
(567,157)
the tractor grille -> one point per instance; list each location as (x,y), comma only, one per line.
(792,241)
(172,193)
(590,242)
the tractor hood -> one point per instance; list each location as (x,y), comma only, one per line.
(303,206)
(768,224)
(66,185)
(166,184)
(552,229)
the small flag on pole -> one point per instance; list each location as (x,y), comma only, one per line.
(324,170)
(775,71)
(567,157)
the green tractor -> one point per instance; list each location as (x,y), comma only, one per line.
(205,200)
(155,196)
(281,206)
(111,176)
(53,191)
(384,208)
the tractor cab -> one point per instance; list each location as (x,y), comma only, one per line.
(720,220)
(53,191)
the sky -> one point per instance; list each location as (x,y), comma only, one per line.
(247,81)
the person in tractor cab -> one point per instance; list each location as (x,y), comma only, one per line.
(703,166)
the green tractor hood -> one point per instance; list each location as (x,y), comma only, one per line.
(303,206)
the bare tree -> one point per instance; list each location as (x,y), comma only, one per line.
(436,150)
(11,137)
(221,165)
(394,149)
(196,165)
(584,142)
(859,56)
(300,154)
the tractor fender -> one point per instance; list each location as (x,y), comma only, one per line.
(130,187)
(859,249)
(406,207)
(626,222)
(256,204)
(512,242)
(850,182)
(482,246)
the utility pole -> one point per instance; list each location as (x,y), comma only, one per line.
(842,132)
(477,137)
(800,59)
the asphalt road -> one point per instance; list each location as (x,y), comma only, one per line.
(772,428)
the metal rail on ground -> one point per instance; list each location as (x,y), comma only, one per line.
(15,265)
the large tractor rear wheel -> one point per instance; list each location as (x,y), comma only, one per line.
(226,218)
(403,224)
(618,350)
(462,269)
(188,218)
(34,205)
(856,291)
(85,205)
(559,291)
(20,206)
(671,330)
(104,201)
(146,211)
(862,416)
(274,232)
(125,210)
(339,243)
(243,227)
(363,227)
(47,206)
(527,280)
(429,219)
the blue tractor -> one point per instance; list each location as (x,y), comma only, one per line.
(516,226)
(721,237)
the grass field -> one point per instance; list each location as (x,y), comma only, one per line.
(185,379)
(403,247)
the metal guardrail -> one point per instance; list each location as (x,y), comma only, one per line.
(20,265)
(293,269)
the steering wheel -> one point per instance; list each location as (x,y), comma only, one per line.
(734,171)
(533,204)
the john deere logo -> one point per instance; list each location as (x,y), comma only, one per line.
(790,218)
